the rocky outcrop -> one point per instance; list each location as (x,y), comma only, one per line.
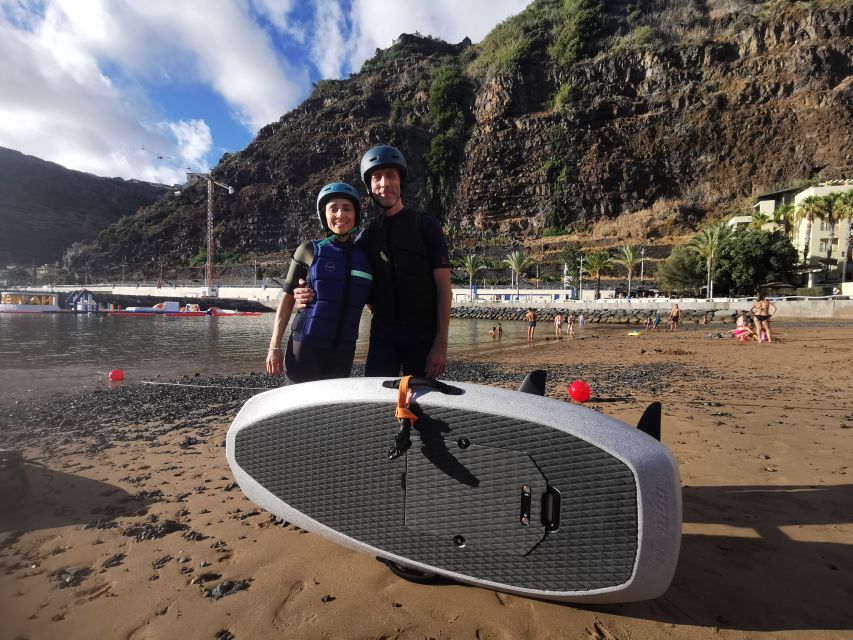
(704,125)
(596,316)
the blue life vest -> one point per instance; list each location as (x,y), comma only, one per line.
(340,277)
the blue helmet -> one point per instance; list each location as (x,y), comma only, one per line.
(382,156)
(337,189)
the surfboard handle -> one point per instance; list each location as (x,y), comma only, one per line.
(551,500)
(431,383)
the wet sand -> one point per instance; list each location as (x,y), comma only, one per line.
(133,527)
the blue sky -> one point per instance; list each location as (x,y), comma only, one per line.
(149,88)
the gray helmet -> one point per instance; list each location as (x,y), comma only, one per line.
(379,157)
(337,189)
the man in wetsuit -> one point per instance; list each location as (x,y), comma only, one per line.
(411,294)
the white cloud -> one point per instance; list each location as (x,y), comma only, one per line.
(194,142)
(59,103)
(279,14)
(376,23)
(331,46)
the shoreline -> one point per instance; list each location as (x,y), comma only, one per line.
(133,525)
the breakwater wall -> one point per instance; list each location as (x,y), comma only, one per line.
(599,315)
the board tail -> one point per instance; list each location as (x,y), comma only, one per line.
(650,421)
(534,382)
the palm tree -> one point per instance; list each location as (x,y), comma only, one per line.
(706,244)
(834,212)
(845,202)
(784,215)
(596,265)
(759,220)
(517,262)
(809,209)
(629,258)
(471,264)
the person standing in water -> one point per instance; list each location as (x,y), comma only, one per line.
(323,336)
(530,316)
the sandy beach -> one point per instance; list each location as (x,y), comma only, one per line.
(133,526)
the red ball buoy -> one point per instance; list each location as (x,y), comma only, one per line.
(115,375)
(579,391)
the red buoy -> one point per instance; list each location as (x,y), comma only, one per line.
(115,375)
(579,391)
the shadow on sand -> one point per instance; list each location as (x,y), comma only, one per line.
(52,498)
(768,571)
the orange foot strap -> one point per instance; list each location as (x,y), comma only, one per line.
(403,411)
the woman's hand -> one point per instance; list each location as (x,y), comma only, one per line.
(275,362)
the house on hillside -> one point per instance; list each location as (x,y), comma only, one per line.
(768,203)
(820,232)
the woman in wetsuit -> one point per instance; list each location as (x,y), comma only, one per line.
(323,336)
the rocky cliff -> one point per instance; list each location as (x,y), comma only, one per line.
(566,114)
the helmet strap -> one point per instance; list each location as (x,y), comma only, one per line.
(353,232)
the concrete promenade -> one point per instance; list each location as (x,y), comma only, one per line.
(800,308)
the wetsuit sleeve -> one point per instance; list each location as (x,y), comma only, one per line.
(299,263)
(436,244)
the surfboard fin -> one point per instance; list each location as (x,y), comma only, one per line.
(534,382)
(650,421)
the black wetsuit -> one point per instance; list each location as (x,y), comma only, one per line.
(404,250)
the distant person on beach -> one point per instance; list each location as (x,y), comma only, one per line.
(323,336)
(581,320)
(493,332)
(674,317)
(558,325)
(411,294)
(743,331)
(648,323)
(571,323)
(762,310)
(657,320)
(500,330)
(530,316)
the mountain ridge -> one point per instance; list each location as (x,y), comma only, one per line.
(45,207)
(567,114)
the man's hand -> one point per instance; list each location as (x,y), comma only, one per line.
(436,360)
(304,295)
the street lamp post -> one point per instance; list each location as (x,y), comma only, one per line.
(211,184)
(580,279)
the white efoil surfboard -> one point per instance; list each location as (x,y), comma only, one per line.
(500,489)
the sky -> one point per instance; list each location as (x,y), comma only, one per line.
(148,89)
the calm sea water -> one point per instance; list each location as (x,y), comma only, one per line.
(41,354)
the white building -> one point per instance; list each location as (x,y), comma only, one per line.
(820,231)
(767,203)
